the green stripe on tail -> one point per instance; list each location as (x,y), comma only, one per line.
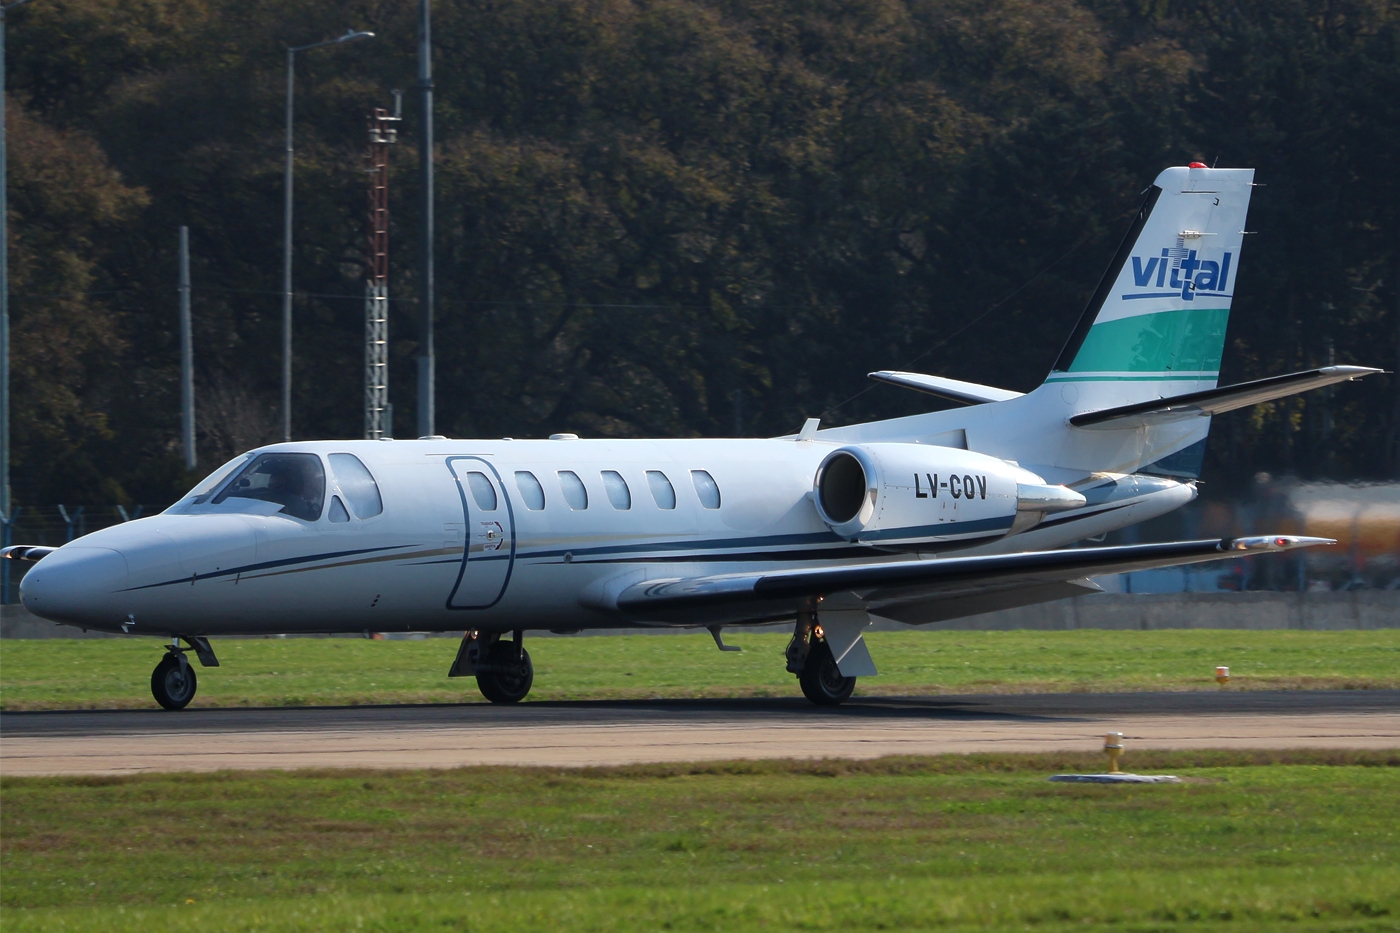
(1187,340)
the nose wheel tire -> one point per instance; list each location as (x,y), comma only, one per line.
(173,682)
(510,675)
(821,679)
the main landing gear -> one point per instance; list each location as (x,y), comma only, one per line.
(502,669)
(173,682)
(810,658)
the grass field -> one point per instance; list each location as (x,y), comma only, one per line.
(89,674)
(1253,841)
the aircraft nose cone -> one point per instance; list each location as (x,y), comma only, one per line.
(75,584)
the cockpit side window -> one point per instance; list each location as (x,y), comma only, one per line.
(297,482)
(337,512)
(358,484)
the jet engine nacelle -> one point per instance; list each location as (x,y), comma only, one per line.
(903,494)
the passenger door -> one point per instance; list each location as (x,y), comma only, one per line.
(488,557)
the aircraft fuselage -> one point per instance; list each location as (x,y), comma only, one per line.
(465,539)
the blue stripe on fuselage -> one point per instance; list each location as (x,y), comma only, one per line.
(268,565)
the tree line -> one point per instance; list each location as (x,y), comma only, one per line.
(676,217)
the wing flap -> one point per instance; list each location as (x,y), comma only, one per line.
(952,606)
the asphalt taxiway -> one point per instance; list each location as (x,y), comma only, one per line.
(626,732)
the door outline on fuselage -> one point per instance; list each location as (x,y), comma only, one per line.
(467,530)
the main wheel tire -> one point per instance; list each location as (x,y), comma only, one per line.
(511,678)
(173,683)
(821,679)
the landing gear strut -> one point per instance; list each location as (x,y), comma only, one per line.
(502,669)
(810,658)
(173,682)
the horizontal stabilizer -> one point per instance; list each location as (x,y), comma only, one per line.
(968,393)
(781,592)
(1215,401)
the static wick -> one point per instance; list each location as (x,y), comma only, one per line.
(1113,747)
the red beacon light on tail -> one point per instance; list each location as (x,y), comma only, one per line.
(1197,165)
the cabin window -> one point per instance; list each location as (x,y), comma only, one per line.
(661,489)
(530,490)
(296,482)
(336,512)
(358,485)
(706,488)
(482,491)
(574,492)
(618,493)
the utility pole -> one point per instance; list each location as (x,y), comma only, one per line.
(6,516)
(186,354)
(427,381)
(382,134)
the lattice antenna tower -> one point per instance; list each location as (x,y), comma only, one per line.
(383,132)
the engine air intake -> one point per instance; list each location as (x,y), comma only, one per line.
(842,488)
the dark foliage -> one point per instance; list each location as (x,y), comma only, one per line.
(677,217)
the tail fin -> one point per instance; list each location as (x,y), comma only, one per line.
(1156,324)
(1155,328)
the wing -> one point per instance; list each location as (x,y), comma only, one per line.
(30,552)
(994,581)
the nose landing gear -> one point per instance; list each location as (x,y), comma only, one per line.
(502,669)
(173,682)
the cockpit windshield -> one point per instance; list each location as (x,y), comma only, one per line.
(293,484)
(206,487)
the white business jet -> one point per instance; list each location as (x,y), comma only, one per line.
(917,519)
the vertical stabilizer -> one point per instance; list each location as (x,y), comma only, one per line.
(1156,323)
(1155,326)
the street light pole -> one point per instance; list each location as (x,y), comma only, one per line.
(287,260)
(186,355)
(427,377)
(5,515)
(350,36)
